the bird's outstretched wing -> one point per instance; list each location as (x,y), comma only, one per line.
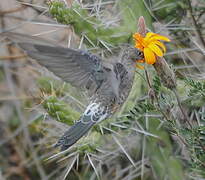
(79,68)
(19,37)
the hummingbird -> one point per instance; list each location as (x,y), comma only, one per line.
(107,83)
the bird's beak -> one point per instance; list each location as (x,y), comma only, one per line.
(140,61)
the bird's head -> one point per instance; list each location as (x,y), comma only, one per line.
(135,54)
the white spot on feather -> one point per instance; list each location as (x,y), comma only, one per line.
(96,111)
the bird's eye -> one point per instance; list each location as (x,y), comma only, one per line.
(140,53)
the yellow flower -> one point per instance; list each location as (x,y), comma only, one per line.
(150,45)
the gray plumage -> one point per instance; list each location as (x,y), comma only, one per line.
(109,84)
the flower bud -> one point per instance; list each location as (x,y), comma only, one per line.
(165,73)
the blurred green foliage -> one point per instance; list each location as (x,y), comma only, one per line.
(93,31)
(169,10)
(159,149)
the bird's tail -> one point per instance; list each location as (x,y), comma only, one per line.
(93,114)
(73,134)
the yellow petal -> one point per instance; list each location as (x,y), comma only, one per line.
(137,36)
(149,35)
(155,49)
(160,37)
(149,56)
(139,46)
(161,45)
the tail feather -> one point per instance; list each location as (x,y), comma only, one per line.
(93,114)
(72,135)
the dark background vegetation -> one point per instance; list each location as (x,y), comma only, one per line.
(148,139)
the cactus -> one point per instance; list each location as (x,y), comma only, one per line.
(60,110)
(92,29)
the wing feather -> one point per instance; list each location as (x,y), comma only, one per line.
(76,67)
(79,68)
